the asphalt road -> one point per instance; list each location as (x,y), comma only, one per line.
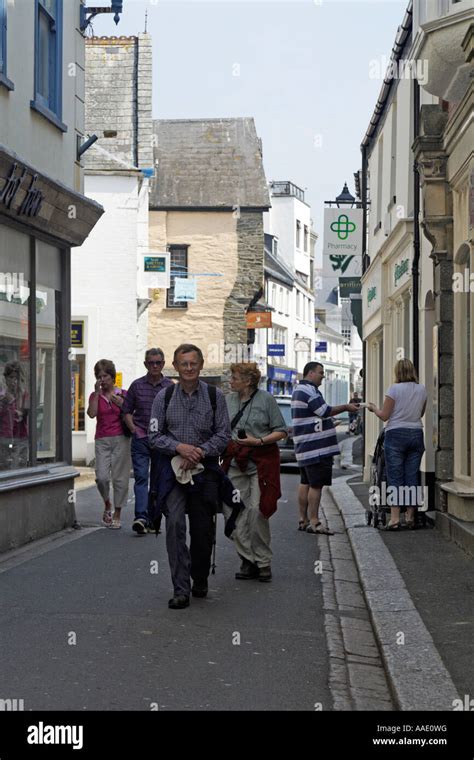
(85,626)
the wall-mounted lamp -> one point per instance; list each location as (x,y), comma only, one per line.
(85,146)
(87,14)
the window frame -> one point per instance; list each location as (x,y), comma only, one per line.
(62,412)
(173,248)
(4,80)
(51,108)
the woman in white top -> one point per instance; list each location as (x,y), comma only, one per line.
(403,408)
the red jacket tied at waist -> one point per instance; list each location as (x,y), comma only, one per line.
(267,460)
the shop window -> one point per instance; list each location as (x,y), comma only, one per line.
(15,407)
(78,394)
(48,294)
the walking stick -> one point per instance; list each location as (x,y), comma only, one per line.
(213,562)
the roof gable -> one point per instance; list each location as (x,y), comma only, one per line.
(209,164)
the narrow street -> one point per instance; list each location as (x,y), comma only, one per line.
(99,636)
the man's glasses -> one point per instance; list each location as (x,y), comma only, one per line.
(155,364)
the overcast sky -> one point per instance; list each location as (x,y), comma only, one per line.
(303,69)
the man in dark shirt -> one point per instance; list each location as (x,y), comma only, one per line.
(191,428)
(137,413)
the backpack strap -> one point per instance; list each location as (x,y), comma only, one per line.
(212,390)
(168,393)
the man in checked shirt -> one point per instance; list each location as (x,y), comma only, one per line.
(189,427)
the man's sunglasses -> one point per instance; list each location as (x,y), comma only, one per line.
(155,364)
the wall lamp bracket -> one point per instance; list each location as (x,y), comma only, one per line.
(87,14)
(85,146)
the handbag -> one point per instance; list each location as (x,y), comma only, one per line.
(126,431)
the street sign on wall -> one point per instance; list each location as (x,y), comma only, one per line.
(322,346)
(276,349)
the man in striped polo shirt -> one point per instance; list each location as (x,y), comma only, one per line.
(315,440)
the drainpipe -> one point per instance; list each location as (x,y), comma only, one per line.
(365,265)
(416,229)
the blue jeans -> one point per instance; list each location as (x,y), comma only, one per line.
(403,449)
(143,459)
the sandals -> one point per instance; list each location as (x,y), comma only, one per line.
(395,526)
(319,530)
(115,525)
(107,518)
(303,524)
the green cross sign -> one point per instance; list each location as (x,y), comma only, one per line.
(343,226)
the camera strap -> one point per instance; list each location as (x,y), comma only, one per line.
(239,414)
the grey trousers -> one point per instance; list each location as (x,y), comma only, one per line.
(112,462)
(251,536)
(193,562)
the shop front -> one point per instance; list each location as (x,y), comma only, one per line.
(281,381)
(373,334)
(40,220)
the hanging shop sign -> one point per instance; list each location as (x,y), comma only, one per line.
(185,290)
(342,248)
(257,319)
(349,285)
(156,270)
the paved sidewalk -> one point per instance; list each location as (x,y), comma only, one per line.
(419,589)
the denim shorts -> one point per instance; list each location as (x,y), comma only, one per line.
(403,448)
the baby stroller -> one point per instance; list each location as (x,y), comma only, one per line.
(376,510)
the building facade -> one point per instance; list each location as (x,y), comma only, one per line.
(419,153)
(444,151)
(109,300)
(272,345)
(290,225)
(387,284)
(43,213)
(207,200)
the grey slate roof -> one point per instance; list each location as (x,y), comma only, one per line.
(277,270)
(208,163)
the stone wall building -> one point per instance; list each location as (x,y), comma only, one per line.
(206,205)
